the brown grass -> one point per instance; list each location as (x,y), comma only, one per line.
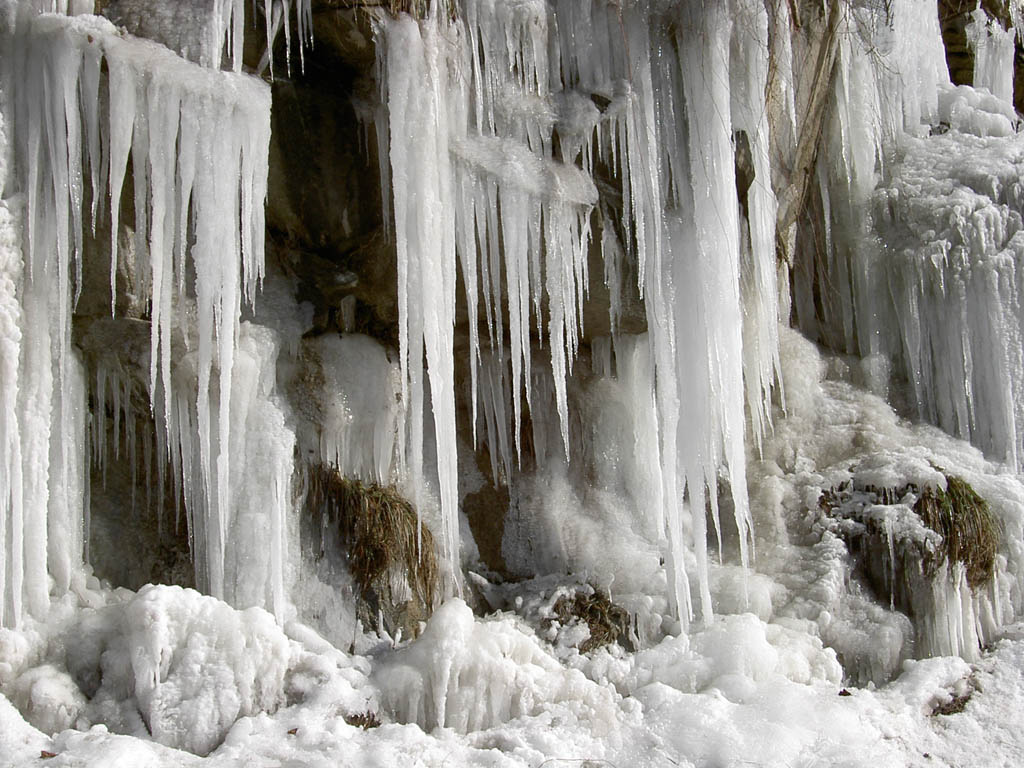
(364,720)
(605,620)
(969,531)
(380,530)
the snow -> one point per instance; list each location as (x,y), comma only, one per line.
(736,689)
(471,676)
(188,665)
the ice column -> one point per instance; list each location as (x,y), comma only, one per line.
(417,94)
(42,472)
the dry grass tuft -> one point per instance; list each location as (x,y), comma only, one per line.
(969,531)
(380,530)
(364,720)
(606,621)
(954,706)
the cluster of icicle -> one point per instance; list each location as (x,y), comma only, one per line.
(225,28)
(880,91)
(993,52)
(497,123)
(205,31)
(198,139)
(921,232)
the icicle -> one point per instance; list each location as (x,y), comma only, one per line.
(749,76)
(425,240)
(12,380)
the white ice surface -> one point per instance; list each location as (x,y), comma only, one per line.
(739,692)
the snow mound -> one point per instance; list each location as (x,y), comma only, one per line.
(49,699)
(190,664)
(733,656)
(472,675)
(839,437)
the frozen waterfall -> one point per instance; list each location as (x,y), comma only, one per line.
(198,142)
(528,151)
(447,359)
(496,123)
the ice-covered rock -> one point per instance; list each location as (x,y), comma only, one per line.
(470,674)
(49,699)
(189,664)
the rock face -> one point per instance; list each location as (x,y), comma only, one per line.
(324,206)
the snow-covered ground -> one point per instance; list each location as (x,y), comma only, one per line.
(752,712)
(756,687)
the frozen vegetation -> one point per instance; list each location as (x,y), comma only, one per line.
(768,513)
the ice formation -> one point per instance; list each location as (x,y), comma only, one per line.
(532,148)
(993,54)
(858,451)
(924,240)
(210,32)
(359,413)
(140,659)
(198,140)
(470,676)
(475,110)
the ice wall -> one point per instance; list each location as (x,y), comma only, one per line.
(496,125)
(198,142)
(918,183)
